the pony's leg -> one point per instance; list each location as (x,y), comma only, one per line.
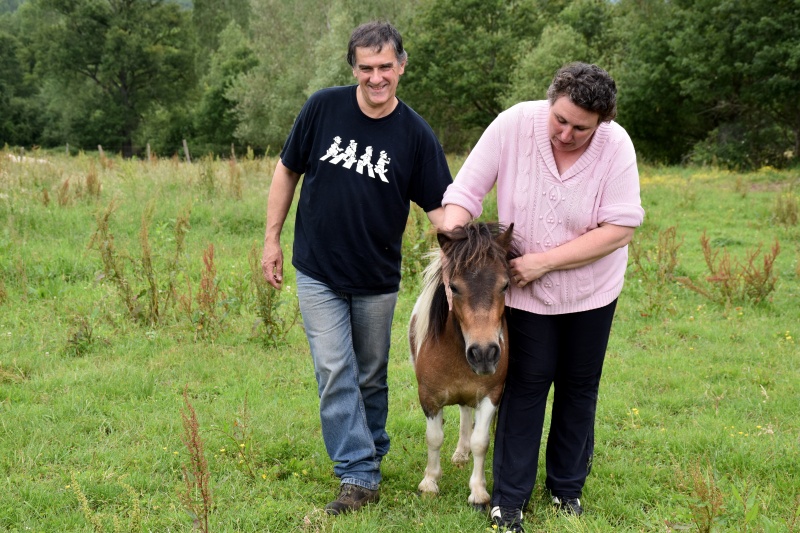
(461,455)
(434,437)
(484,413)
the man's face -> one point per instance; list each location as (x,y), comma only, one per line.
(570,126)
(378,74)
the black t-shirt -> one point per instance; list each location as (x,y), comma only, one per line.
(360,175)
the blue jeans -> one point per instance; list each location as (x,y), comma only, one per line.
(349,337)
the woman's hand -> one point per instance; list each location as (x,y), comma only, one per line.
(528,268)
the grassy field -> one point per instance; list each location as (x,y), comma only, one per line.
(135,347)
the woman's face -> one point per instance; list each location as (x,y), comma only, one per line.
(571,127)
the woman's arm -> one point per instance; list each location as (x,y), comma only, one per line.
(586,249)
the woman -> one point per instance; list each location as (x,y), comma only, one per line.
(566,177)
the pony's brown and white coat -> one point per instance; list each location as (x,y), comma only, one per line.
(460,354)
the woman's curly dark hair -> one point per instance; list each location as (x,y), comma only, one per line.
(588,87)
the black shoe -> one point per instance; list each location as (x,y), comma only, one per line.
(568,505)
(351,498)
(507,519)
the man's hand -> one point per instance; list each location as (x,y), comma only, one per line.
(272,264)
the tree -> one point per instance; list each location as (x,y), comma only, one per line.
(214,119)
(662,120)
(532,76)
(109,61)
(740,60)
(21,117)
(298,54)
(210,18)
(462,53)
(11,82)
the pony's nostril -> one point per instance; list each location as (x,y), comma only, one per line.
(483,359)
(493,353)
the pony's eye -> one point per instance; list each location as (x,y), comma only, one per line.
(453,289)
(505,287)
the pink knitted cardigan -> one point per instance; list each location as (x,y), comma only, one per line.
(549,209)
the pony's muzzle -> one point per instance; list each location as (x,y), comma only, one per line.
(483,359)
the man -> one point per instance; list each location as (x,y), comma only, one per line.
(365,156)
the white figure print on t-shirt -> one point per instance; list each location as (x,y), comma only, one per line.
(380,166)
(365,161)
(347,155)
(333,150)
(351,155)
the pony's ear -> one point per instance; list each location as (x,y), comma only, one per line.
(445,237)
(506,238)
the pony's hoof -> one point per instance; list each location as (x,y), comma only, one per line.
(481,507)
(460,459)
(428,486)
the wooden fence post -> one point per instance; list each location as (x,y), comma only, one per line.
(186,151)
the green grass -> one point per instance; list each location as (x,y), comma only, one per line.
(699,399)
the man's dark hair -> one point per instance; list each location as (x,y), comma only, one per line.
(374,35)
(588,87)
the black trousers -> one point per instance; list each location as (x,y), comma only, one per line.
(566,351)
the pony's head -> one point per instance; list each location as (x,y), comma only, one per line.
(475,265)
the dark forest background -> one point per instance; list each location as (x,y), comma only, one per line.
(700,81)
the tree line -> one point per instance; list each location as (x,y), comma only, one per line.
(700,81)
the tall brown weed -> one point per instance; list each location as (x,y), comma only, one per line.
(196,497)
(732,281)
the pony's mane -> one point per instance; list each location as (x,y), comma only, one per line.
(468,247)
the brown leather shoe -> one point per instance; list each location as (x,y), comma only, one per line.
(351,498)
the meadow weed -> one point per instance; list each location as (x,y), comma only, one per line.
(196,497)
(732,281)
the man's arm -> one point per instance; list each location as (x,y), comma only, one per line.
(281,194)
(454,216)
(436,217)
